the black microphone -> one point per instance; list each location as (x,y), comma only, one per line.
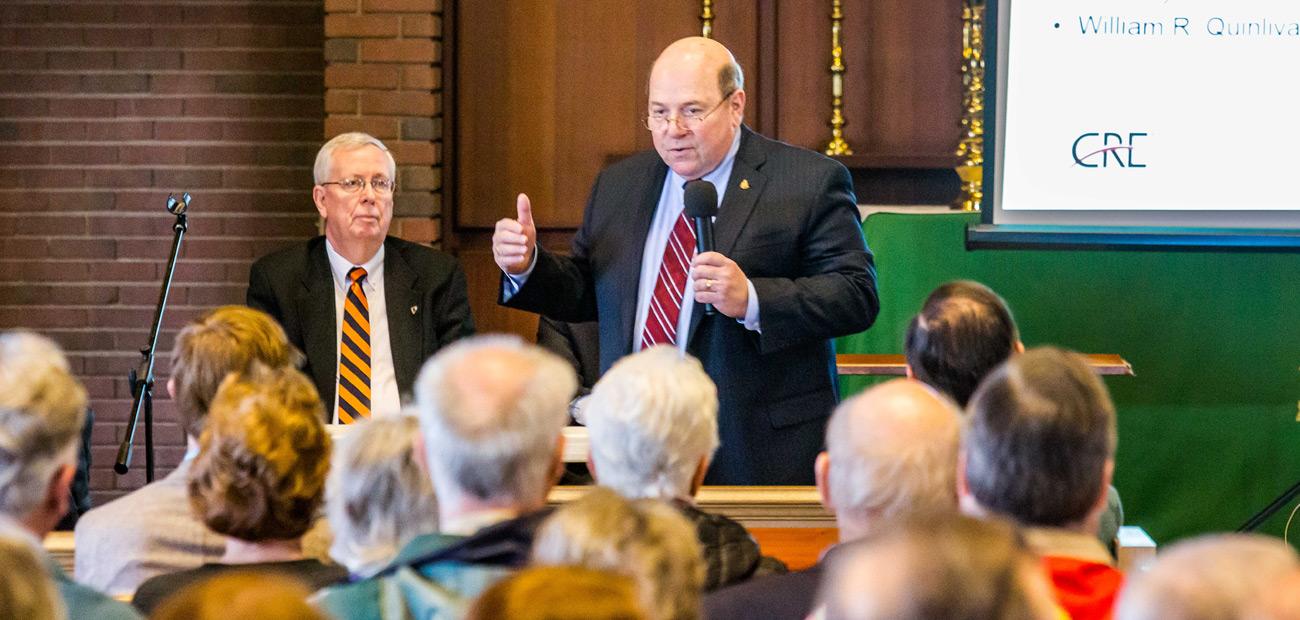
(701,201)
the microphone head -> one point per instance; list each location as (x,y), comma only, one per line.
(178,206)
(701,199)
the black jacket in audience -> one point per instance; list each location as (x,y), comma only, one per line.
(730,553)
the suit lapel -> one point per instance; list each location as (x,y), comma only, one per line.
(629,274)
(403,325)
(738,203)
(320,334)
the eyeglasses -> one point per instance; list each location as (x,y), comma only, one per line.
(353,185)
(690,118)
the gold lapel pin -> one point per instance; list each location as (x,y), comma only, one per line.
(414,308)
(744,184)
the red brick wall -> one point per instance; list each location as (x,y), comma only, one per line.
(104,109)
(383,76)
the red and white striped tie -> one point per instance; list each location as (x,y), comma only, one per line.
(666,303)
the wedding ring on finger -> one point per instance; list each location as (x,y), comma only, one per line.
(708,284)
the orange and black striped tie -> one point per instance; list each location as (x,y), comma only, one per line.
(354,352)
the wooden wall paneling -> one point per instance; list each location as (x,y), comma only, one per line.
(902,81)
(802,77)
(912,65)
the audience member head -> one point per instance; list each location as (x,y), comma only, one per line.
(260,472)
(1039,444)
(696,105)
(354,176)
(228,339)
(647,540)
(1279,601)
(26,589)
(491,412)
(653,422)
(560,593)
(42,409)
(962,333)
(1215,577)
(265,596)
(891,454)
(958,568)
(378,497)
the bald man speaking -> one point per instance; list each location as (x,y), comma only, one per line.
(791,270)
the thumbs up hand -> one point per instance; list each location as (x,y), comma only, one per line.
(514,240)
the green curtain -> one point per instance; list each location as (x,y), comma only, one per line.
(1208,427)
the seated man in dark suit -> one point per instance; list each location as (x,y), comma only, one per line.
(1039,448)
(891,454)
(367,309)
(491,412)
(653,420)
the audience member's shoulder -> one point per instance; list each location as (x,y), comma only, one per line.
(788,596)
(83,602)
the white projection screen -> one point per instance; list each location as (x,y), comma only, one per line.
(1154,118)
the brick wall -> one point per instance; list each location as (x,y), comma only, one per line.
(383,76)
(105,107)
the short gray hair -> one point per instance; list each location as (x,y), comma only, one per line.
(893,459)
(491,410)
(652,417)
(377,496)
(348,142)
(1206,578)
(42,409)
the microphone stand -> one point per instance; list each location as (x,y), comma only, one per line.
(1278,503)
(141,377)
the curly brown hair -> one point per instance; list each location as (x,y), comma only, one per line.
(263,458)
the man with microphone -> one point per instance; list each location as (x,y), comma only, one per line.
(789,272)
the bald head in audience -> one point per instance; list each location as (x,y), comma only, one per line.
(1216,577)
(891,453)
(950,567)
(491,411)
(963,331)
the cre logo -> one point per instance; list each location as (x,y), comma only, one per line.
(1086,148)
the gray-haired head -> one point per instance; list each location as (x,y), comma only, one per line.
(1214,577)
(347,142)
(42,409)
(652,418)
(378,497)
(891,454)
(491,410)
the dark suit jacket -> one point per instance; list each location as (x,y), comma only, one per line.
(295,286)
(795,233)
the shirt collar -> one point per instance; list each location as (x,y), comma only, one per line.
(720,175)
(340,266)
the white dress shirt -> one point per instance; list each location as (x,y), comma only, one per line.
(384,399)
